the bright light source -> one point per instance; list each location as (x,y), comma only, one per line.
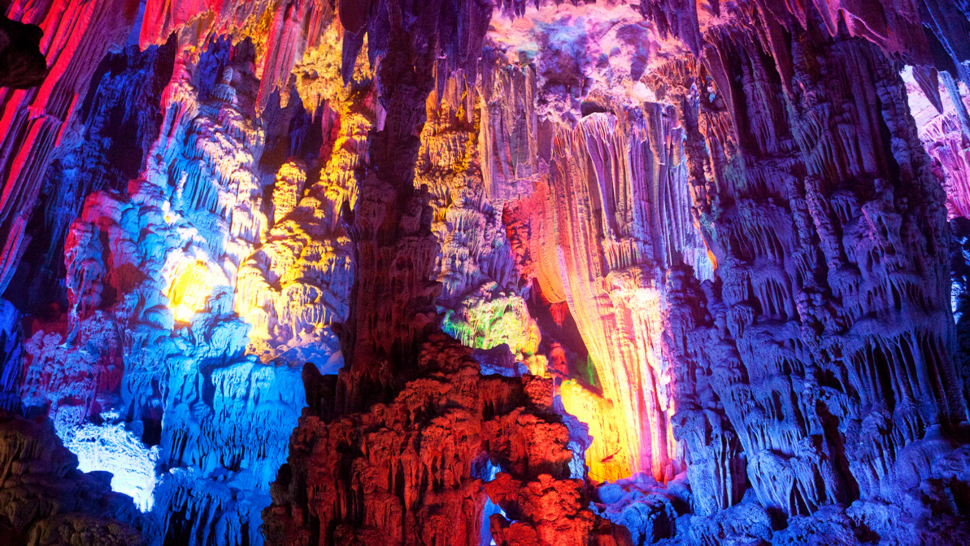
(190,290)
(112,448)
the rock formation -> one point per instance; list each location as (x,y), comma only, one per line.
(485,272)
(817,308)
(46,500)
(36,120)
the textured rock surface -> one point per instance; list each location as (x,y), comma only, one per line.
(417,465)
(482,294)
(36,120)
(432,425)
(150,335)
(47,500)
(943,123)
(843,290)
(588,272)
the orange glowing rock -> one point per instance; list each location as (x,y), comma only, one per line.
(606,260)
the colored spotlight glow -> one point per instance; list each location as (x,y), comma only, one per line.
(190,291)
(112,448)
(607,456)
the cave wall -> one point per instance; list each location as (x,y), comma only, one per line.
(457,272)
(831,280)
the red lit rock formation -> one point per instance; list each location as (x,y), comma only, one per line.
(34,121)
(831,275)
(412,471)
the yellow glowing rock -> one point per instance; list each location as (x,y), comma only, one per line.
(190,290)
(537,364)
(293,287)
(317,75)
(607,271)
(289,188)
(607,457)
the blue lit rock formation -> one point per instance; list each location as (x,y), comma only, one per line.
(795,367)
(151,334)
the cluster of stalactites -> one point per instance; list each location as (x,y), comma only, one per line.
(607,182)
(455,29)
(828,229)
(910,29)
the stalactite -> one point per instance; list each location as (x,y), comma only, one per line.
(829,278)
